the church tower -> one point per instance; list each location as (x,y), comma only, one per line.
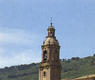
(50,66)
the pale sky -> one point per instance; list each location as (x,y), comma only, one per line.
(24,23)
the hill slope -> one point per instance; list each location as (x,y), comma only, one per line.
(71,68)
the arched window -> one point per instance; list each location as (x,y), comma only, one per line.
(51,33)
(44,73)
(45,55)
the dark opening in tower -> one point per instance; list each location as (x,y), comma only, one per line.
(45,55)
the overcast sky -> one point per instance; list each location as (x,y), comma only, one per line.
(24,23)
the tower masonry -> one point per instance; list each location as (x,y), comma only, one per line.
(50,66)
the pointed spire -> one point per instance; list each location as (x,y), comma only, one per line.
(51,26)
(51,21)
(51,30)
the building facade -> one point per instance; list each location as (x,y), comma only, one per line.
(50,66)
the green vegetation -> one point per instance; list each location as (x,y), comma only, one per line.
(71,68)
(77,67)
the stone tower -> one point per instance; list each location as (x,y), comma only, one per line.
(50,67)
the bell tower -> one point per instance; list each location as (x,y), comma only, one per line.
(50,66)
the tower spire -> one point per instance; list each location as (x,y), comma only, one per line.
(51,21)
(50,66)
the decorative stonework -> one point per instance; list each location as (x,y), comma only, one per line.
(50,66)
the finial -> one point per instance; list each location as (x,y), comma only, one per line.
(51,21)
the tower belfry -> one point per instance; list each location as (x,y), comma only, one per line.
(50,66)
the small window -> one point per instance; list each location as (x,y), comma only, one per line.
(51,34)
(44,73)
(45,55)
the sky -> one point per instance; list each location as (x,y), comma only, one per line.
(24,23)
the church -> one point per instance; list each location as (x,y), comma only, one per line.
(50,66)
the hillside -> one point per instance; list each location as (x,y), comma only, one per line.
(71,68)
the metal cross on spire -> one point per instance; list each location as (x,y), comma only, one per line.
(51,21)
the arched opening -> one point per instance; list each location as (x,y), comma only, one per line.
(45,55)
(44,73)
